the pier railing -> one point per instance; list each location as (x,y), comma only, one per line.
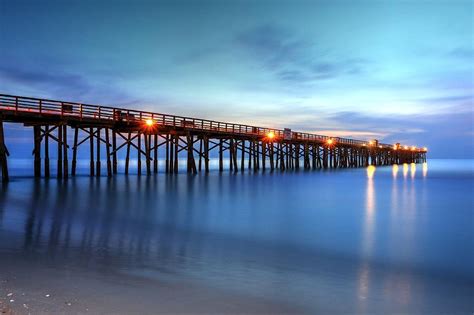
(80,111)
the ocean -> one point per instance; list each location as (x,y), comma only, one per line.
(384,240)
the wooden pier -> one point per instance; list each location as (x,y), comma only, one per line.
(152,136)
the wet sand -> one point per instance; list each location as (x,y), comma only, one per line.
(36,288)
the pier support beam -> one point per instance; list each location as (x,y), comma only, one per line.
(114,150)
(221,156)
(155,153)
(37,150)
(46,152)
(176,154)
(107,149)
(97,162)
(74,152)
(59,171)
(91,148)
(3,154)
(65,158)
(190,148)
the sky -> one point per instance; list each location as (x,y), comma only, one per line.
(397,71)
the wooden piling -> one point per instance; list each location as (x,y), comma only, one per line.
(147,138)
(234,156)
(107,149)
(46,152)
(91,148)
(190,148)
(176,153)
(59,172)
(171,153)
(37,150)
(231,155)
(114,150)
(206,154)
(127,156)
(221,156)
(250,154)
(65,157)
(74,152)
(271,153)
(242,156)
(3,154)
(155,153)
(200,154)
(97,162)
(139,154)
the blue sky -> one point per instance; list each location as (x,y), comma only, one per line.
(398,71)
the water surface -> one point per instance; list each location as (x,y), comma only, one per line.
(379,240)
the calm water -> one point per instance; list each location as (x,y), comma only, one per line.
(390,239)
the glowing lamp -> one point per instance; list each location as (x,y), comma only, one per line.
(425,149)
(371,142)
(395,147)
(271,135)
(149,122)
(413,148)
(329,141)
(405,147)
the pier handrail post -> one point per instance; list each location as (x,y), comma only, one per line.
(40,106)
(16,103)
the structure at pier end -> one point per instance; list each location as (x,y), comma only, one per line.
(107,130)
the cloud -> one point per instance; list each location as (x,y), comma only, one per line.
(48,79)
(292,59)
(462,52)
(44,79)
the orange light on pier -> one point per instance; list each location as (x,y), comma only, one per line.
(329,141)
(149,122)
(425,149)
(413,148)
(405,147)
(271,135)
(371,142)
(395,147)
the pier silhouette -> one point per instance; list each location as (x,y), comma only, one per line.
(154,135)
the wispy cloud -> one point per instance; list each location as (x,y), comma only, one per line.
(45,78)
(463,52)
(292,59)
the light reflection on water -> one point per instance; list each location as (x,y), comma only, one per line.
(394,170)
(425,169)
(405,170)
(363,237)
